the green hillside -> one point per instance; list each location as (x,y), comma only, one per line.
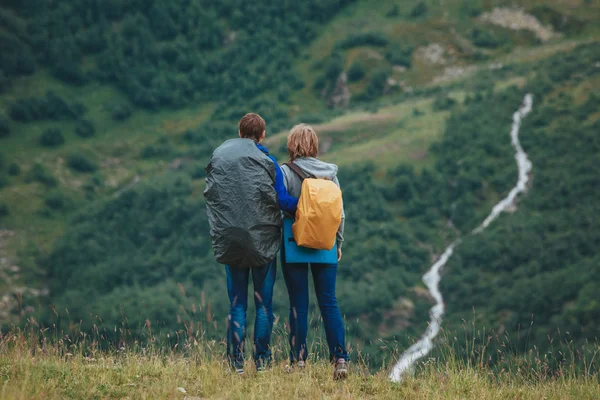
(109,111)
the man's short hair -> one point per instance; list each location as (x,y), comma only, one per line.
(252,126)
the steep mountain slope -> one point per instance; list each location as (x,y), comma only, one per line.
(100,182)
(536,269)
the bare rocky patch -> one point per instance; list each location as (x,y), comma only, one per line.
(340,95)
(433,53)
(10,283)
(517,19)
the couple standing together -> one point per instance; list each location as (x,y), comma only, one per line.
(246,194)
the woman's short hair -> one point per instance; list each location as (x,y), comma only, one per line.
(302,142)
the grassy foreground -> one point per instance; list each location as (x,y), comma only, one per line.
(42,371)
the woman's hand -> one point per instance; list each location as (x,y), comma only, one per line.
(339,251)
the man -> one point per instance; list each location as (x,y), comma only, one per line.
(245,194)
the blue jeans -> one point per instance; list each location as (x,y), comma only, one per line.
(237,288)
(296,280)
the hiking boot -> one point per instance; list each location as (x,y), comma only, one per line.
(262,364)
(340,370)
(239,371)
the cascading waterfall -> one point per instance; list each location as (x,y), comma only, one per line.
(432,277)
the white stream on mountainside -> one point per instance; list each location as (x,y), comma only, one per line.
(432,277)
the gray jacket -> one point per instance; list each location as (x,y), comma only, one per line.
(319,169)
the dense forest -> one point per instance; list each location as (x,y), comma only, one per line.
(166,54)
(137,261)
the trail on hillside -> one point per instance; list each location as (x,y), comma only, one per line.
(432,277)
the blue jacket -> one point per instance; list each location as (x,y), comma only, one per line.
(286,202)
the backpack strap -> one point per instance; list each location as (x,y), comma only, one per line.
(298,171)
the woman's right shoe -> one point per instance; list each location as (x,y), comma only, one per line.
(340,370)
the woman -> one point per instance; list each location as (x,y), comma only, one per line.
(303,146)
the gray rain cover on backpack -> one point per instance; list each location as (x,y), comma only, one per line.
(241,203)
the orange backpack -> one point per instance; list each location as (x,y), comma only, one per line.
(319,211)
